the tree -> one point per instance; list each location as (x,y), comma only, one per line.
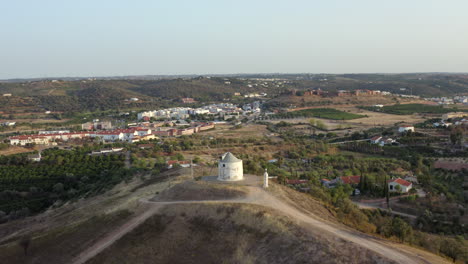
(179,156)
(58,188)
(401,229)
(196,159)
(456,136)
(453,248)
(398,188)
(24,243)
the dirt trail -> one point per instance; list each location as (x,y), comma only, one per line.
(256,195)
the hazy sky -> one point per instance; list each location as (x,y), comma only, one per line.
(110,37)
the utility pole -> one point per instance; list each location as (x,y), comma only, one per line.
(386,193)
(191,168)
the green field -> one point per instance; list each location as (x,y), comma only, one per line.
(327,113)
(408,109)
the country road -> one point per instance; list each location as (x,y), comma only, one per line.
(376,206)
(256,195)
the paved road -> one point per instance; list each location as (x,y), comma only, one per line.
(256,195)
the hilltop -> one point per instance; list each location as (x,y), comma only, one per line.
(246,225)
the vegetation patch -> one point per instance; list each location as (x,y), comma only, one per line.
(327,113)
(409,109)
(30,187)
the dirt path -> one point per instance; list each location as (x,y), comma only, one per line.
(128,163)
(375,206)
(393,251)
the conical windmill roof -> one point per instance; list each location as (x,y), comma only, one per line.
(229,158)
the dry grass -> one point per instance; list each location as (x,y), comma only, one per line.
(199,191)
(303,202)
(229,233)
(227,131)
(373,119)
(15,150)
(124,196)
(61,244)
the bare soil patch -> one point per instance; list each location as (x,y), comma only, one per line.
(15,150)
(451,164)
(199,191)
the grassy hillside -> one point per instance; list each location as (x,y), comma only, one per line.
(424,84)
(59,245)
(104,94)
(229,233)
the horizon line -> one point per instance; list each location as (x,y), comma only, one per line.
(217,75)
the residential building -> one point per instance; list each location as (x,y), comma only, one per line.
(404,186)
(405,128)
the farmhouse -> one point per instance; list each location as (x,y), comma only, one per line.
(35,157)
(399,185)
(376,139)
(9,123)
(353,180)
(405,128)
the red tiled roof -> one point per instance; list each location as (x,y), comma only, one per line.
(350,179)
(401,181)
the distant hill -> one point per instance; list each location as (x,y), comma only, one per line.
(113,93)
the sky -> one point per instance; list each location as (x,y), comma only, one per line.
(64,38)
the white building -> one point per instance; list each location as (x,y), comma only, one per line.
(54,132)
(406,128)
(35,157)
(404,186)
(230,168)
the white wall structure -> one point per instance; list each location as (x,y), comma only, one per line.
(405,186)
(265,179)
(406,128)
(230,168)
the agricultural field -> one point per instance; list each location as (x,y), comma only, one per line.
(30,187)
(408,109)
(371,120)
(326,113)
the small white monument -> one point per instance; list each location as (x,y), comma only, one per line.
(265,179)
(230,168)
